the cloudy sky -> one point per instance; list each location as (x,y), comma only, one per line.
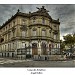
(65,13)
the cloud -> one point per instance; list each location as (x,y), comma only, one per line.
(65,13)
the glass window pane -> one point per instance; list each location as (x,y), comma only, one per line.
(43,33)
(54,36)
(34,33)
(23,33)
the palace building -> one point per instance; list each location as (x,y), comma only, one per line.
(30,34)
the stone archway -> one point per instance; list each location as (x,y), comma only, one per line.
(34,49)
(12,55)
(7,54)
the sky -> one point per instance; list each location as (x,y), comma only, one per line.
(64,12)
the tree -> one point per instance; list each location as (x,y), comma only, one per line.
(69,40)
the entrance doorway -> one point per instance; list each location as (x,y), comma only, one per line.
(12,54)
(34,49)
(7,54)
(45,58)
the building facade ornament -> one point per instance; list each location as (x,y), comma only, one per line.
(30,34)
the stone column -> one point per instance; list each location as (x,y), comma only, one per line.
(30,48)
(39,48)
(48,48)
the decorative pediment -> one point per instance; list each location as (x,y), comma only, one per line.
(23,27)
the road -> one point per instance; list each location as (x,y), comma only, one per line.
(4,62)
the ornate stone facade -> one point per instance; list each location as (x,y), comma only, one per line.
(29,34)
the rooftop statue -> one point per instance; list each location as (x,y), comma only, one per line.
(42,9)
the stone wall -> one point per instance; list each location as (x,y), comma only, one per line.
(49,57)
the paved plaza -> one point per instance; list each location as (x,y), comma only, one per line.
(4,62)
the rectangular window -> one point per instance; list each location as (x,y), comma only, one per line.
(9,25)
(43,33)
(13,46)
(23,33)
(8,47)
(13,33)
(18,45)
(34,33)
(14,23)
(9,36)
(34,20)
(23,21)
(6,28)
(23,45)
(43,21)
(6,37)
(28,51)
(55,36)
(5,47)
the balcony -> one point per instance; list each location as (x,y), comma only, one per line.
(40,37)
(39,24)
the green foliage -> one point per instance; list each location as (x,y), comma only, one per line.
(69,40)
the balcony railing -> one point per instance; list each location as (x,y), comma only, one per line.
(40,37)
(41,24)
(33,37)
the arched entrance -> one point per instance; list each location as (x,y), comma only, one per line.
(2,54)
(34,49)
(7,54)
(12,54)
